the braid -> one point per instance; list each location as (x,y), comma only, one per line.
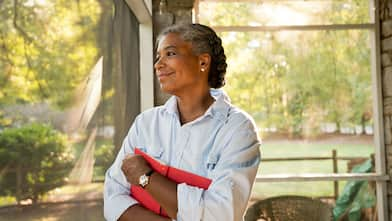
(204,40)
(216,78)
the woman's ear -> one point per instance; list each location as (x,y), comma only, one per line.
(204,62)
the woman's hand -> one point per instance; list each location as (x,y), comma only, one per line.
(133,167)
(163,190)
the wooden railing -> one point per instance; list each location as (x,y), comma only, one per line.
(335,176)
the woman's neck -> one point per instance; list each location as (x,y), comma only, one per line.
(191,107)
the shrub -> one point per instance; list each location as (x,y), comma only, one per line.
(34,159)
(104,156)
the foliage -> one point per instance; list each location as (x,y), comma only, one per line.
(104,156)
(293,81)
(35,159)
(46,49)
(357,194)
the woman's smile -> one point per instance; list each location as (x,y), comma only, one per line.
(164,74)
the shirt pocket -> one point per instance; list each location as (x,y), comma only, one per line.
(211,162)
(156,152)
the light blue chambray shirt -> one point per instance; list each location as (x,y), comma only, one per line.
(222,145)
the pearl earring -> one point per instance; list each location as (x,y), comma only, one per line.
(202,69)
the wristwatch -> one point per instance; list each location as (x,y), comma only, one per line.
(144,179)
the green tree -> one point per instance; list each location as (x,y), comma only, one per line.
(296,80)
(46,49)
(34,159)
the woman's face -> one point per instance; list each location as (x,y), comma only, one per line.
(177,68)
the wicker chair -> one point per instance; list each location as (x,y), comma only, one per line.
(289,208)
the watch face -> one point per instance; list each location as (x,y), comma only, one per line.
(143,180)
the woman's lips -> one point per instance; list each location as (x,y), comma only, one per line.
(164,74)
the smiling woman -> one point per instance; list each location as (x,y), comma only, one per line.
(197,130)
(176,65)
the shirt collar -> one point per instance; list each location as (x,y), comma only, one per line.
(219,109)
(171,105)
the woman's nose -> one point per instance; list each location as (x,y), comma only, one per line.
(158,63)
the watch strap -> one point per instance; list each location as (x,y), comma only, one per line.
(149,173)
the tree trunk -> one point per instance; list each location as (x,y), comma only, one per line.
(18,192)
(104,43)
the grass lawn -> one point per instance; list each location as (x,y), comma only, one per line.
(283,149)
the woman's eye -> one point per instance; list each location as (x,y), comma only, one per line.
(167,54)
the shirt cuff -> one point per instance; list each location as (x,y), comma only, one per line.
(189,202)
(117,205)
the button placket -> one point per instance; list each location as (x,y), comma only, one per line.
(183,138)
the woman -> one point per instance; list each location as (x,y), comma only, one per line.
(197,130)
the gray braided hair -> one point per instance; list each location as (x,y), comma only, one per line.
(204,40)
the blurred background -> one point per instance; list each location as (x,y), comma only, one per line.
(74,74)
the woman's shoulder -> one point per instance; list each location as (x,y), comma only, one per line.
(151,113)
(237,116)
(232,113)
